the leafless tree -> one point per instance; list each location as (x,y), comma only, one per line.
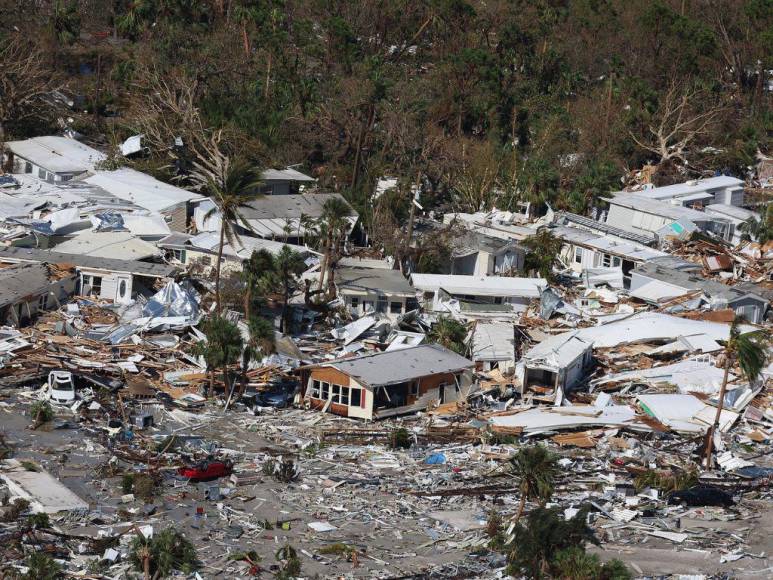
(165,112)
(683,116)
(24,80)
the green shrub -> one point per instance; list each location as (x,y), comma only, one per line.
(400,439)
(41,412)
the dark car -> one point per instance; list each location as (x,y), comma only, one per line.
(277,395)
(700,496)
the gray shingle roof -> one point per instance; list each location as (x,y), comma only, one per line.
(22,280)
(112,265)
(374,280)
(288,206)
(399,366)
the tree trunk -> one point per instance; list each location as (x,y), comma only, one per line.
(285,300)
(323,265)
(268,76)
(720,405)
(521,506)
(228,389)
(217,266)
(245,39)
(364,130)
(211,383)
(146,567)
(411,219)
(243,380)
(248,300)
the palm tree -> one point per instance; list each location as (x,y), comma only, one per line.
(750,351)
(535,468)
(333,226)
(257,273)
(234,188)
(449,333)
(260,343)
(222,348)
(759,230)
(288,265)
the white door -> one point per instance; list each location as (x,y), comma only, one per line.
(123,289)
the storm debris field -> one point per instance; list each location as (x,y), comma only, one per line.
(563,391)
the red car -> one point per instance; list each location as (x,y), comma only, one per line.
(206,470)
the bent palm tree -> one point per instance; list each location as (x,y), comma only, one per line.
(230,192)
(535,468)
(750,351)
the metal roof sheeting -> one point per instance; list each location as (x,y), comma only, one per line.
(141,189)
(480,285)
(57,154)
(493,341)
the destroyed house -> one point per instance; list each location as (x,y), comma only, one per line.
(699,193)
(275,216)
(147,192)
(203,248)
(51,158)
(28,289)
(517,293)
(639,214)
(558,362)
(477,254)
(659,285)
(365,290)
(584,250)
(390,383)
(104,278)
(286,181)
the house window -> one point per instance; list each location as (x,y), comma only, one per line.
(179,255)
(325,391)
(578,255)
(314,393)
(42,173)
(609,261)
(395,307)
(95,282)
(355,397)
(381,305)
(65,177)
(28,167)
(414,389)
(122,287)
(367,306)
(354,301)
(206,260)
(43,302)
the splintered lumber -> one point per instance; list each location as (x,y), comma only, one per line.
(472,491)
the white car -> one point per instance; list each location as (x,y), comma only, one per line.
(61,387)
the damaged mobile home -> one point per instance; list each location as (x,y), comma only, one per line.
(386,384)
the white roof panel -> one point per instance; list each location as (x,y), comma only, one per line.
(141,189)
